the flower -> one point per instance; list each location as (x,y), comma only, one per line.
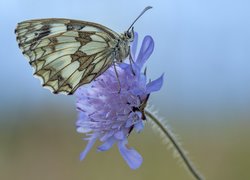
(109,111)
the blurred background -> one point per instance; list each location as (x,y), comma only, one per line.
(203,47)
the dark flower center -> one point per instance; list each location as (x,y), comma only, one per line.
(142,106)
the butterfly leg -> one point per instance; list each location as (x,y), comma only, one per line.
(117,76)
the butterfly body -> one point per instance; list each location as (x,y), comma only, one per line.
(66,54)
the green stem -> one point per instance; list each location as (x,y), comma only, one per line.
(176,145)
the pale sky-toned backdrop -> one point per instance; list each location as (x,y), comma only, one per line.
(202,46)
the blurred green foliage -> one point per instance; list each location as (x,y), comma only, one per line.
(43,144)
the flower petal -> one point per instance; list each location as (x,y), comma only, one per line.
(133,45)
(155,85)
(83,129)
(131,156)
(88,147)
(81,116)
(145,51)
(119,135)
(123,65)
(81,126)
(129,123)
(139,126)
(107,135)
(107,145)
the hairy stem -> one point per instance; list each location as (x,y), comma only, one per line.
(176,145)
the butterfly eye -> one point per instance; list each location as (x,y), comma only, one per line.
(129,35)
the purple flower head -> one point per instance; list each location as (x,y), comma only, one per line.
(107,115)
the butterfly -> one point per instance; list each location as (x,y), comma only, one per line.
(66,54)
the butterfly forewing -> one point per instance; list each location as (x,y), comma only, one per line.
(66,54)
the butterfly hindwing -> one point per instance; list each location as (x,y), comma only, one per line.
(66,53)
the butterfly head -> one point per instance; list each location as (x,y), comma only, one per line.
(129,35)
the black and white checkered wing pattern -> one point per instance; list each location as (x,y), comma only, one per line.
(66,54)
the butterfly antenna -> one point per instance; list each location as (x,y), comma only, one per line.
(144,10)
